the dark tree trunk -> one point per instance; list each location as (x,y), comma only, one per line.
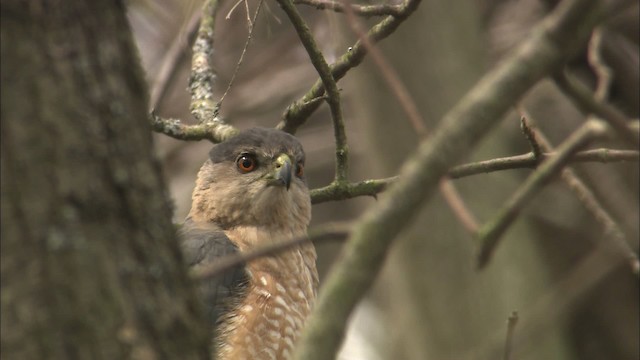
(90,265)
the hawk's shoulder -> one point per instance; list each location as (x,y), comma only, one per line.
(202,244)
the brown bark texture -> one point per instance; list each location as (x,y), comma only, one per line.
(90,265)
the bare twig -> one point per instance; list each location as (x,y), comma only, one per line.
(592,205)
(511,327)
(298,112)
(244,51)
(389,74)
(611,228)
(492,231)
(529,161)
(583,98)
(362,10)
(558,37)
(329,83)
(328,232)
(336,192)
(233,8)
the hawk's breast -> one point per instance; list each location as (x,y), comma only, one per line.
(268,320)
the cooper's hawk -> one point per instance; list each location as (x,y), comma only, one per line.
(252,192)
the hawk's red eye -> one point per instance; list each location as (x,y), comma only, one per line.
(246,163)
(300,170)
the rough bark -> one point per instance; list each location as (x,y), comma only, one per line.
(90,265)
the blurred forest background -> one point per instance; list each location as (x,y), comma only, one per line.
(90,266)
(431,302)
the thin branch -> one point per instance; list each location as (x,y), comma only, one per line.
(583,98)
(336,192)
(329,83)
(529,161)
(298,112)
(342,191)
(361,10)
(244,51)
(530,135)
(603,72)
(328,232)
(458,206)
(233,8)
(593,206)
(511,328)
(490,234)
(213,131)
(559,36)
(171,60)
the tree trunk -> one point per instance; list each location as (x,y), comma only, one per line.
(90,265)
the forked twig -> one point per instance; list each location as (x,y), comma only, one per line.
(490,234)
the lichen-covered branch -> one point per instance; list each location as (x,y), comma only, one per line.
(298,112)
(541,54)
(252,23)
(328,82)
(203,107)
(214,132)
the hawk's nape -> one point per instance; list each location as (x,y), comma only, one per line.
(252,192)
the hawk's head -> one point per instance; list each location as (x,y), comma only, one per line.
(254,179)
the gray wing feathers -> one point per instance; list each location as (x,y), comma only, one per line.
(203,244)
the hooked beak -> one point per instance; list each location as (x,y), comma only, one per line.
(281,175)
